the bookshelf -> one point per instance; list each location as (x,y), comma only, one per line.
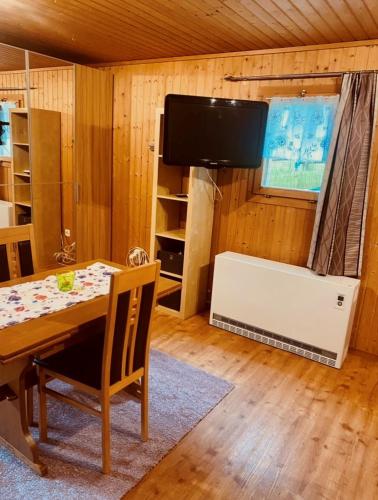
(181,227)
(36,176)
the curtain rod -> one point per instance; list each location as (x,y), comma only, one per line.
(292,76)
(3,89)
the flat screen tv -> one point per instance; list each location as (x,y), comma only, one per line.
(212,132)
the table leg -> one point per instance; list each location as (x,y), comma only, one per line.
(14,429)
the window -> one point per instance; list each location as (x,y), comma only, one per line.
(296,146)
(4,128)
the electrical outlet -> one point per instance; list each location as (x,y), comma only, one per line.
(67,233)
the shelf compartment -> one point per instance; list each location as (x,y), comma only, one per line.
(171,216)
(172,179)
(22,191)
(22,214)
(21,159)
(19,126)
(169,245)
(173,300)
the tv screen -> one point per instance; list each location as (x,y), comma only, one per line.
(212,132)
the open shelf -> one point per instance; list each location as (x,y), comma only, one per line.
(181,229)
(174,234)
(26,204)
(20,111)
(173,197)
(19,126)
(173,275)
(23,175)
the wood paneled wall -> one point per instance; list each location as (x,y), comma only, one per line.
(262,227)
(53,90)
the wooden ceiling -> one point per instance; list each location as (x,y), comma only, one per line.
(90,31)
(13,59)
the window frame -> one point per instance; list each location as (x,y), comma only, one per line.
(18,99)
(286,194)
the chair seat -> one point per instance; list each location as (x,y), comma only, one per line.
(79,362)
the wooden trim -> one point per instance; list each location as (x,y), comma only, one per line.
(280,201)
(248,53)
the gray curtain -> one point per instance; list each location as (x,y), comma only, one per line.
(338,236)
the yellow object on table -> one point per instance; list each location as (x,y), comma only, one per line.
(66,281)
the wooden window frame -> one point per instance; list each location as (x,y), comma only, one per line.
(287,197)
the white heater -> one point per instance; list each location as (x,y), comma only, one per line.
(285,306)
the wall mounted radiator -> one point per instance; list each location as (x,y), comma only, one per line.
(284,306)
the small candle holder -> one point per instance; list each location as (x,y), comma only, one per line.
(66,281)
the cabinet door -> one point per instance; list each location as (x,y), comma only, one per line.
(93,162)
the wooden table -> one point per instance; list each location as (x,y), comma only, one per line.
(20,343)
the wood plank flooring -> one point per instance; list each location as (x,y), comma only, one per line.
(291,428)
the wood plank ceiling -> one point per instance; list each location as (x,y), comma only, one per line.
(13,59)
(90,31)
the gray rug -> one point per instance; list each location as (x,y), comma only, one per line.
(180,397)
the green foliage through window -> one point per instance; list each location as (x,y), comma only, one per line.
(297,141)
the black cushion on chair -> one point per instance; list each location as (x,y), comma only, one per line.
(81,362)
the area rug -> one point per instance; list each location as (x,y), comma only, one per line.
(180,397)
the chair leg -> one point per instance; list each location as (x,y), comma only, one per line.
(42,406)
(30,405)
(105,414)
(144,409)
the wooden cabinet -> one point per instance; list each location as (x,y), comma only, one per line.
(93,120)
(36,172)
(182,218)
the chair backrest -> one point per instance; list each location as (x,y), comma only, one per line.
(17,252)
(128,323)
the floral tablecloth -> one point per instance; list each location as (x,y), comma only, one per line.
(34,299)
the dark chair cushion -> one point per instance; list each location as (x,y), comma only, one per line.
(81,362)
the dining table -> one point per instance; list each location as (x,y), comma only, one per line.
(21,342)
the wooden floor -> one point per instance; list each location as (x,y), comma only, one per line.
(291,428)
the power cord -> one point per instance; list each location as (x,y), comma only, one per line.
(67,255)
(215,188)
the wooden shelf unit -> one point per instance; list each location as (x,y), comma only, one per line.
(36,177)
(182,225)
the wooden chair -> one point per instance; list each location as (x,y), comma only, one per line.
(18,258)
(112,359)
(18,255)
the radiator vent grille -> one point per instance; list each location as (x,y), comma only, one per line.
(266,337)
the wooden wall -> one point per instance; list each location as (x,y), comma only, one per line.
(257,226)
(54,91)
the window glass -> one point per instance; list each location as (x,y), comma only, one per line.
(297,141)
(5,149)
